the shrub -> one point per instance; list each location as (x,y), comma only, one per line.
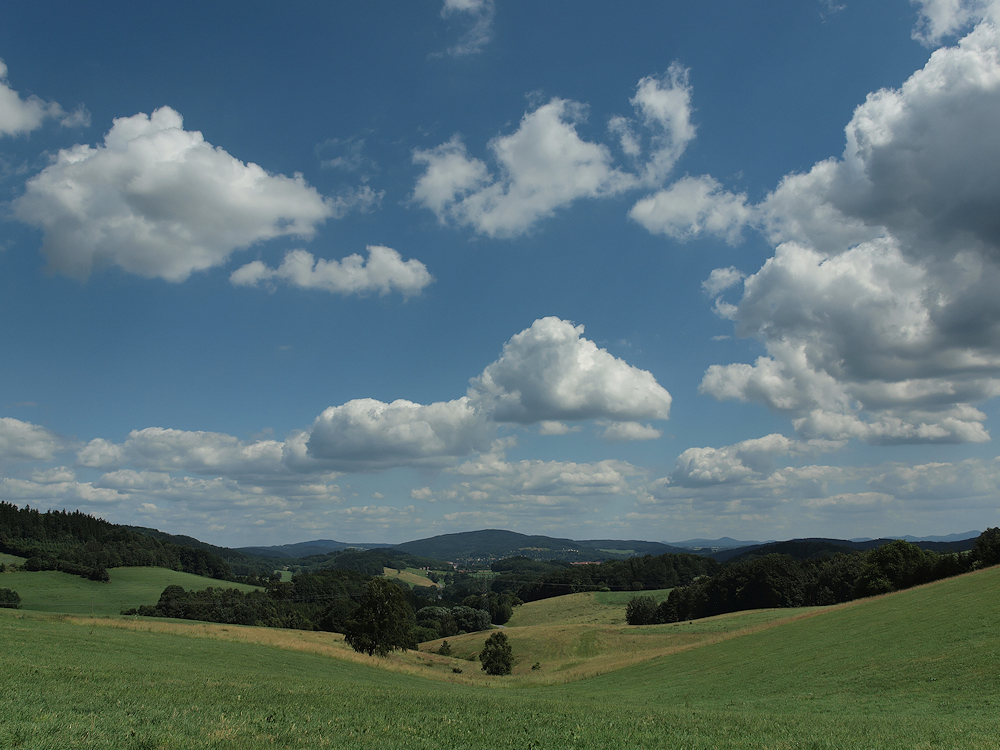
(641,610)
(9,599)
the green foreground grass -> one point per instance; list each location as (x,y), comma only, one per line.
(52,591)
(915,669)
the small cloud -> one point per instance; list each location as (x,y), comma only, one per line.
(384,271)
(478,15)
(621,432)
(721,279)
(551,427)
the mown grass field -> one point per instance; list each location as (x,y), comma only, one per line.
(592,608)
(11,559)
(915,669)
(52,591)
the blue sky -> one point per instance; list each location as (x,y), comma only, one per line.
(379,271)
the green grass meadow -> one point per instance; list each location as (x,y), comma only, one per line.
(916,669)
(52,591)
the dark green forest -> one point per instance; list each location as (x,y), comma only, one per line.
(531,580)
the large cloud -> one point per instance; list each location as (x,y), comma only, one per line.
(369,434)
(383,272)
(551,372)
(547,373)
(545,165)
(159,201)
(878,311)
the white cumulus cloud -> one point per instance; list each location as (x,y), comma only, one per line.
(384,271)
(26,442)
(551,372)
(20,115)
(623,432)
(367,434)
(691,207)
(159,201)
(878,311)
(547,374)
(545,165)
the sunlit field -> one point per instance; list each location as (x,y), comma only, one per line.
(912,669)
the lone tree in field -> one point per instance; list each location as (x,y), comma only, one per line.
(383,622)
(496,656)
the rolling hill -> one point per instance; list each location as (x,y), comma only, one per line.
(911,669)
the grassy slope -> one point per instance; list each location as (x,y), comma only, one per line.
(913,670)
(571,637)
(11,559)
(51,591)
(593,608)
(411,576)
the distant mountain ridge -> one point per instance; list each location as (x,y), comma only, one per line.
(306,549)
(803,549)
(494,544)
(487,545)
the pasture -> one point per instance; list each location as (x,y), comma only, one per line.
(915,669)
(52,591)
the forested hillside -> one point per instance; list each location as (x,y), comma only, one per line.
(86,546)
(780,580)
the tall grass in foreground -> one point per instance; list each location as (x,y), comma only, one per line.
(912,670)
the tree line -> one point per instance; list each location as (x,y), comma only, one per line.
(779,580)
(330,600)
(531,580)
(312,601)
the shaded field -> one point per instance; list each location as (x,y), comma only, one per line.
(11,559)
(52,591)
(914,669)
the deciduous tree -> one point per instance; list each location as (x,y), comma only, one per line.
(383,622)
(497,656)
